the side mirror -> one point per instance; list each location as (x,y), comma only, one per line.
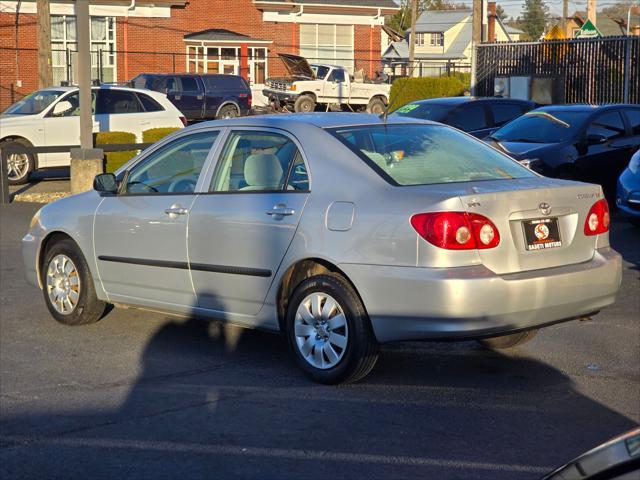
(62,107)
(105,183)
(596,139)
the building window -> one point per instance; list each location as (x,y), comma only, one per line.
(420,39)
(436,39)
(331,44)
(64,47)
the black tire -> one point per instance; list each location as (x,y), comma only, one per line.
(361,351)
(30,158)
(88,309)
(304,104)
(508,341)
(376,106)
(228,111)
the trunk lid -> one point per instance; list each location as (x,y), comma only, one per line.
(509,204)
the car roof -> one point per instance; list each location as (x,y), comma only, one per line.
(319,119)
(467,99)
(583,107)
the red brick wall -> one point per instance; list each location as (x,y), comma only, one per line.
(164,37)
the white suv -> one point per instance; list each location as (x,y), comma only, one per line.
(50,117)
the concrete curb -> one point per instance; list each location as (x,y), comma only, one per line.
(43,197)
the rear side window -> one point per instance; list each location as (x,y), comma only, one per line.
(634,120)
(609,125)
(505,112)
(149,104)
(189,84)
(224,82)
(117,102)
(428,154)
(468,118)
(259,161)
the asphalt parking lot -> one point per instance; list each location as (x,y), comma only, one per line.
(143,395)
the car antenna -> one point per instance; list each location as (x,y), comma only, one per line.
(383,116)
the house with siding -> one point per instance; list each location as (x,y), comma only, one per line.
(443,43)
(242,37)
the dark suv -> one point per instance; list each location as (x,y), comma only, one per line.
(478,116)
(201,97)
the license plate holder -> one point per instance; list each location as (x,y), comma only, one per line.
(541,233)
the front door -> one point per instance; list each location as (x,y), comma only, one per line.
(192,97)
(241,230)
(335,87)
(140,235)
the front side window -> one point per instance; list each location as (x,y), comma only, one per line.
(259,161)
(609,125)
(427,154)
(73,109)
(336,75)
(468,118)
(504,112)
(174,168)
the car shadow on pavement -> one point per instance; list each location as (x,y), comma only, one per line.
(215,401)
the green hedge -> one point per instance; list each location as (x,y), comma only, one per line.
(405,90)
(114,160)
(155,134)
(464,77)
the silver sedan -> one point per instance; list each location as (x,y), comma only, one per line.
(341,230)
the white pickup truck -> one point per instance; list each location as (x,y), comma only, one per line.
(317,84)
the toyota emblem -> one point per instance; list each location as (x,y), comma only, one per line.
(545,208)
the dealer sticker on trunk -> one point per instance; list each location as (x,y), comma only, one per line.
(541,233)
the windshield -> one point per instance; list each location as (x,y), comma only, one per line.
(424,111)
(539,126)
(34,103)
(428,154)
(320,71)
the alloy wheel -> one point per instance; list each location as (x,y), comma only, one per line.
(17,166)
(321,330)
(63,284)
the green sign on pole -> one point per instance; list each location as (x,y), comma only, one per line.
(588,30)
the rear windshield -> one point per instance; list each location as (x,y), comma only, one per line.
(428,154)
(224,82)
(425,111)
(539,126)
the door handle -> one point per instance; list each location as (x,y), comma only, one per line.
(280,211)
(199,97)
(178,97)
(175,210)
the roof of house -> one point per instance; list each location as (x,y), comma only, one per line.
(397,50)
(220,35)
(441,20)
(345,3)
(400,50)
(606,25)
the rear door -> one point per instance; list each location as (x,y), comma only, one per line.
(602,163)
(192,96)
(215,91)
(240,231)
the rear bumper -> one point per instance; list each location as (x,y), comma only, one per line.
(410,303)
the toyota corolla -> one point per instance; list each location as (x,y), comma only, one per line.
(342,231)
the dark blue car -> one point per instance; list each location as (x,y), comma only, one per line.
(628,195)
(576,142)
(201,97)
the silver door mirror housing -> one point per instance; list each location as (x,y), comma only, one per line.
(62,107)
(105,183)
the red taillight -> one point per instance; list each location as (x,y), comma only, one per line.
(597,220)
(184,120)
(249,100)
(456,230)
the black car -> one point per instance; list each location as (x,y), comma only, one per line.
(576,142)
(478,116)
(201,97)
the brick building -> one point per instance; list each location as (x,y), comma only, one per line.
(225,36)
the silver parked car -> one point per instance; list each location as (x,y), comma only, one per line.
(340,230)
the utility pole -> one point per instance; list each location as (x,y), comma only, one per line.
(412,36)
(86,162)
(476,39)
(565,16)
(45,72)
(591,11)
